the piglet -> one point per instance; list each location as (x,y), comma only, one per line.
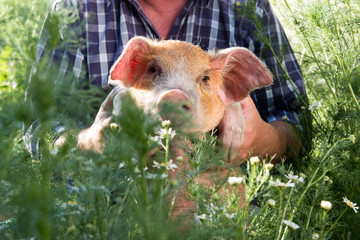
(206,86)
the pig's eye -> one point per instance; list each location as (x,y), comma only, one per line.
(152,69)
(205,79)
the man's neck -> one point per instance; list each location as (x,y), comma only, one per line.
(162,13)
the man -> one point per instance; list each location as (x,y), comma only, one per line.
(212,24)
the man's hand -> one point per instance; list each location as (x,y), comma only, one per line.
(92,138)
(258,138)
(262,138)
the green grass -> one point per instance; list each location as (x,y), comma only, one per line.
(70,194)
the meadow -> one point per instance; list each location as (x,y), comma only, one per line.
(69,194)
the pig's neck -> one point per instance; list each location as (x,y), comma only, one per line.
(162,13)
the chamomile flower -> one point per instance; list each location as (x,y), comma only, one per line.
(351,204)
(72,203)
(314,106)
(163,133)
(295,178)
(168,165)
(281,185)
(199,218)
(235,180)
(212,208)
(291,224)
(229,216)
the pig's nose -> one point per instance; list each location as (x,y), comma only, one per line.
(173,101)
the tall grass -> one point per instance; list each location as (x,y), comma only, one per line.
(327,40)
(119,194)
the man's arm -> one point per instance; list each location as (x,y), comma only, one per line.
(273,112)
(261,138)
(61,58)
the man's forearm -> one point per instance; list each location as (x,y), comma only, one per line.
(279,139)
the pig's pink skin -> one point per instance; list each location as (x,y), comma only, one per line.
(180,101)
(177,97)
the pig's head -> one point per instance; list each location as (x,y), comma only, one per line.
(198,83)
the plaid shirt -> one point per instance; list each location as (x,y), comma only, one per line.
(212,24)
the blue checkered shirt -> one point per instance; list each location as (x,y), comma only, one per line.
(107,26)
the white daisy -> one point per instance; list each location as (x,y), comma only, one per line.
(212,208)
(163,133)
(199,218)
(295,178)
(121,165)
(281,185)
(230,216)
(314,106)
(351,204)
(169,165)
(235,180)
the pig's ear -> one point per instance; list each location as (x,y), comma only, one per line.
(241,71)
(127,67)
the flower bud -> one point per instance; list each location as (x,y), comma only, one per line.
(315,236)
(166,123)
(271,202)
(180,159)
(326,205)
(114,126)
(269,166)
(254,160)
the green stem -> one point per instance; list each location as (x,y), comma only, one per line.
(308,220)
(323,223)
(333,225)
(167,147)
(280,216)
(312,182)
(354,97)
(174,197)
(285,210)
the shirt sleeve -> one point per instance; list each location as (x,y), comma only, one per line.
(284,98)
(60,50)
(62,42)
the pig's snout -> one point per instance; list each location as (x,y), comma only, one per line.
(174,103)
